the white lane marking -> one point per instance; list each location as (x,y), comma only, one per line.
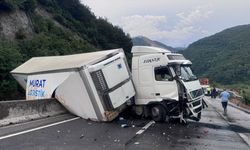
(145,127)
(245,138)
(38,128)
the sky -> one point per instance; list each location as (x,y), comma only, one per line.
(176,23)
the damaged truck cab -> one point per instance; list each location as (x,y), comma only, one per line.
(165,85)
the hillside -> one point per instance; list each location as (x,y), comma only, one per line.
(31,28)
(223,57)
(144,41)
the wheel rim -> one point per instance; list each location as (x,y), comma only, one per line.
(155,112)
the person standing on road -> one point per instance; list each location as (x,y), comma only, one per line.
(224,100)
(208,91)
(213,93)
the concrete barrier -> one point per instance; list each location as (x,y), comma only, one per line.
(25,110)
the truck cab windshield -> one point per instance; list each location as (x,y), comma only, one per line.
(186,73)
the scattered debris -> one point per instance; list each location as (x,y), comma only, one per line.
(122,122)
(205,131)
(124,125)
(81,136)
(187,137)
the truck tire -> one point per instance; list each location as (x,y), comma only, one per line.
(138,110)
(158,113)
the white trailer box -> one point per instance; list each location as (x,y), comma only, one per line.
(93,85)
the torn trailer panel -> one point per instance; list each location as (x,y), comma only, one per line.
(93,86)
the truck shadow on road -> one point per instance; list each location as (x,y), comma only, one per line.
(231,127)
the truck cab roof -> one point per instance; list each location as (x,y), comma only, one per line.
(148,51)
(143,50)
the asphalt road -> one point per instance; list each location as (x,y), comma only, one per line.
(213,131)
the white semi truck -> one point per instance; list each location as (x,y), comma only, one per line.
(165,85)
(99,85)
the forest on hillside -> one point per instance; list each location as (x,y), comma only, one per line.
(224,58)
(79,31)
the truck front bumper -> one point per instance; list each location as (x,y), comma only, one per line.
(194,108)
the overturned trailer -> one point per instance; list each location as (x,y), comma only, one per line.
(93,85)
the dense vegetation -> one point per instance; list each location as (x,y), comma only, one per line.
(224,58)
(81,32)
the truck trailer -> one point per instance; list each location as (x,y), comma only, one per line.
(93,86)
(99,85)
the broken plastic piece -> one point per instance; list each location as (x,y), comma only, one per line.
(124,125)
(136,143)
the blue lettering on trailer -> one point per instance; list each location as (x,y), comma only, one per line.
(39,93)
(38,83)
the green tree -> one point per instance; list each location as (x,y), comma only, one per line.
(10,57)
(7,5)
(28,5)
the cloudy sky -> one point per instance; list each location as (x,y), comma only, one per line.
(174,22)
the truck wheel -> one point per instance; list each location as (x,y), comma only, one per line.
(158,113)
(138,110)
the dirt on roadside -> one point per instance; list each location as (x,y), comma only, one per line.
(239,103)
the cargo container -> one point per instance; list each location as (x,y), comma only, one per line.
(93,86)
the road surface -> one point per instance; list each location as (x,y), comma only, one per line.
(213,131)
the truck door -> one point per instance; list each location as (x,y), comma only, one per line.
(165,85)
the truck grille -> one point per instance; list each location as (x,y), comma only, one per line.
(198,109)
(196,93)
(196,103)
